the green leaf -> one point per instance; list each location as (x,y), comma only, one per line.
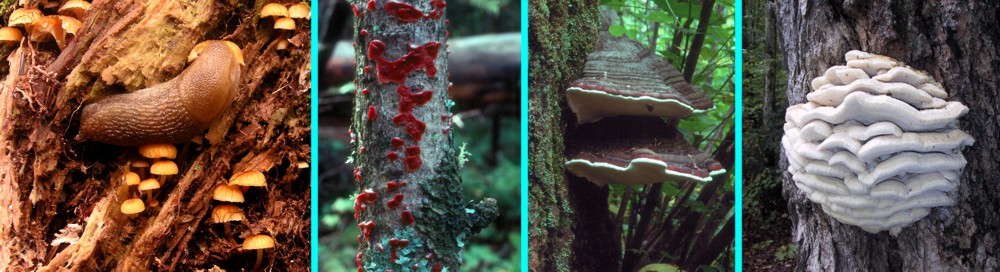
(660,267)
(617,30)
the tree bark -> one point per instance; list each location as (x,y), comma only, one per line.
(560,36)
(53,187)
(410,207)
(956,43)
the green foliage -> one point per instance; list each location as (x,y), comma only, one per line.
(785,252)
(660,267)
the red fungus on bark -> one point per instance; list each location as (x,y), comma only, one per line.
(406,217)
(397,142)
(393,245)
(404,12)
(368,196)
(415,128)
(371,5)
(366,229)
(392,185)
(438,6)
(364,91)
(392,155)
(357,174)
(364,33)
(357,11)
(368,69)
(437,267)
(419,57)
(372,113)
(380,248)
(412,159)
(395,201)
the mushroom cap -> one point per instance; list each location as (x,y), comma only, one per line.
(75,8)
(70,24)
(198,48)
(282,44)
(24,17)
(131,178)
(302,164)
(139,164)
(48,27)
(227,213)
(273,10)
(299,11)
(284,23)
(259,241)
(249,178)
(163,168)
(133,206)
(149,184)
(228,193)
(10,35)
(157,151)
(623,77)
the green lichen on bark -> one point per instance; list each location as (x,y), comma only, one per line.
(560,36)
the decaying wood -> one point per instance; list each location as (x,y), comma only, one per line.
(49,183)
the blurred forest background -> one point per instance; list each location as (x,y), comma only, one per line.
(487,106)
(767,238)
(695,221)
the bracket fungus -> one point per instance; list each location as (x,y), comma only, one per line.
(876,145)
(623,77)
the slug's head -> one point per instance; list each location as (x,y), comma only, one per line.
(212,78)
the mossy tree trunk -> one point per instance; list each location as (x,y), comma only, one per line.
(53,188)
(560,35)
(410,206)
(957,44)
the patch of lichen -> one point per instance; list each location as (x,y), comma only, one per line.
(442,215)
(560,36)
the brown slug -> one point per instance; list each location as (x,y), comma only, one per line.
(170,112)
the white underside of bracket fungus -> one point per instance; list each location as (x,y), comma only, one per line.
(876,146)
(592,105)
(638,171)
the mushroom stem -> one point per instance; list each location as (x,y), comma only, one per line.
(229,235)
(260,255)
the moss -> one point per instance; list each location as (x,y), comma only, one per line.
(559,39)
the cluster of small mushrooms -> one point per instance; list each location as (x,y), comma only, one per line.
(624,78)
(63,20)
(284,18)
(226,212)
(876,145)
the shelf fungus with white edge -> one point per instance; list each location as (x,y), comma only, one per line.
(876,145)
(623,77)
(643,166)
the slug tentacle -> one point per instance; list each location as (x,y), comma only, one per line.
(170,112)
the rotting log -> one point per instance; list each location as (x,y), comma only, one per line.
(54,187)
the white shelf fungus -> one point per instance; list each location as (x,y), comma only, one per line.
(877,145)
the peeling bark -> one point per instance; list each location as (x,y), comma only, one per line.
(956,43)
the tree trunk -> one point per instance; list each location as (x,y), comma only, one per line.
(56,189)
(560,36)
(410,207)
(954,42)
